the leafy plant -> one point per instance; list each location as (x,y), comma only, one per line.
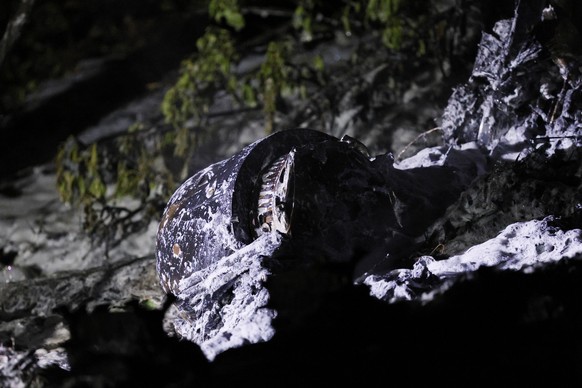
(303,19)
(227,11)
(100,177)
(121,184)
(398,23)
(386,13)
(274,78)
(200,78)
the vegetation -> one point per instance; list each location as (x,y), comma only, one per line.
(123,183)
(120,188)
(212,68)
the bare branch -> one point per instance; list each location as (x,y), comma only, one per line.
(415,140)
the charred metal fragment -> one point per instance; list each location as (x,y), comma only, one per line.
(524,85)
(300,204)
(215,212)
(321,192)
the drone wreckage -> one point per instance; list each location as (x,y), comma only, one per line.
(297,200)
(264,235)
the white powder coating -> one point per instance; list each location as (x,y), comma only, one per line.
(48,235)
(519,245)
(226,302)
(398,285)
(195,226)
(474,120)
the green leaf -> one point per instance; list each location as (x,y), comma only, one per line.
(298,17)
(234,19)
(318,63)
(227,10)
(92,163)
(81,186)
(249,96)
(97,188)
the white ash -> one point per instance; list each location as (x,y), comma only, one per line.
(519,246)
(219,322)
(522,246)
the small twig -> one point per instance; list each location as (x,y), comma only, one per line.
(440,248)
(415,140)
(559,99)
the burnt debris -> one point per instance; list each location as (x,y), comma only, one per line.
(298,202)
